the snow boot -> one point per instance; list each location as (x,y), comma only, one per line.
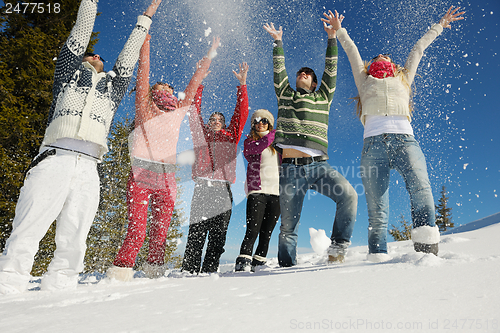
(425,239)
(426,248)
(337,251)
(120,273)
(257,261)
(243,263)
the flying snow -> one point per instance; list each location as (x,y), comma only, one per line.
(319,241)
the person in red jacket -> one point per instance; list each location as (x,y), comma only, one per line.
(213,172)
(153,156)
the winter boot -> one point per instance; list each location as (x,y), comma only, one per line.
(337,251)
(425,239)
(153,271)
(120,273)
(243,263)
(426,248)
(257,261)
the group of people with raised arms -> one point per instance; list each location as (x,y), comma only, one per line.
(284,161)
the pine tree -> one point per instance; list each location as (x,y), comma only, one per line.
(29,43)
(402,233)
(110,224)
(443,212)
(45,253)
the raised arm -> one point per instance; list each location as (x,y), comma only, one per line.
(200,74)
(196,121)
(329,79)
(142,85)
(124,66)
(418,50)
(71,54)
(280,75)
(240,114)
(357,65)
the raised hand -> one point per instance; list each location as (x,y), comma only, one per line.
(242,75)
(276,34)
(212,52)
(334,20)
(450,16)
(152,8)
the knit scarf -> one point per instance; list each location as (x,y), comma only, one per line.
(381,69)
(261,134)
(164,101)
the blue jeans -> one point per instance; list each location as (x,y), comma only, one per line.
(402,152)
(295,181)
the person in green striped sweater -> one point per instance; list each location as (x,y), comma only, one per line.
(302,139)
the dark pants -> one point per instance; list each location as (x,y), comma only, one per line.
(263,211)
(211,209)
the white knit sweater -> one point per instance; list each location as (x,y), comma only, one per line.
(388,96)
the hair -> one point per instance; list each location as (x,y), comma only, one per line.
(255,136)
(221,115)
(308,70)
(400,73)
(151,88)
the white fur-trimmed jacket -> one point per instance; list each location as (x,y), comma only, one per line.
(84,101)
(388,96)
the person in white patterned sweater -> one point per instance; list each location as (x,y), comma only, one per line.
(62,183)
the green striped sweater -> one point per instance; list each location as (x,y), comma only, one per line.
(303,117)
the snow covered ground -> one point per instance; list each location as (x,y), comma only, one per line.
(459,291)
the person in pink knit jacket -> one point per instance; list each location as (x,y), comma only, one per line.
(153,145)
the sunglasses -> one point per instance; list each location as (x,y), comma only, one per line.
(264,121)
(384,55)
(90,54)
(306,72)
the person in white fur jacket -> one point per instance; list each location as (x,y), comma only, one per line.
(62,183)
(385,109)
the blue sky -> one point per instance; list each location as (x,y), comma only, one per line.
(456,119)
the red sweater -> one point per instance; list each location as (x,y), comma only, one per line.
(216,151)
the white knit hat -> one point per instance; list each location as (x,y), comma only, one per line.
(262,113)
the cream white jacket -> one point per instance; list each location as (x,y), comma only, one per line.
(388,96)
